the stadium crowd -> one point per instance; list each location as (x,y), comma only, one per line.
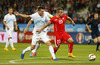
(71,7)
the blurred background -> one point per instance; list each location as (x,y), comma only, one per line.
(81,11)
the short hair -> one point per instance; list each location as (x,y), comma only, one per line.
(59,8)
(96,13)
(40,8)
(10,8)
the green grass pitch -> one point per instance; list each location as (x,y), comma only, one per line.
(44,58)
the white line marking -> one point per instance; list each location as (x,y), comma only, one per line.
(16,61)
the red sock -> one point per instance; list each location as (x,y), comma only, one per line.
(70,45)
(55,50)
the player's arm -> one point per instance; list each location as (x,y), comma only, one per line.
(52,27)
(22,15)
(29,23)
(16,26)
(4,22)
(39,30)
(71,21)
(87,26)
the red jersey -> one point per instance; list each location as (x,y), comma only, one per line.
(59,24)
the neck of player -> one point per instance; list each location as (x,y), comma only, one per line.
(10,13)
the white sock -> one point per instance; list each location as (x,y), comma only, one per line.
(52,52)
(27,49)
(11,43)
(36,47)
(7,43)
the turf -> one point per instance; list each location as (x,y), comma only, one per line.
(44,58)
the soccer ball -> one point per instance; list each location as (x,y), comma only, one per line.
(92,57)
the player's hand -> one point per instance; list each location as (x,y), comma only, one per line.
(16,28)
(38,30)
(16,13)
(73,23)
(90,31)
(7,28)
(25,30)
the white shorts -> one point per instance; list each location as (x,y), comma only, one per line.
(42,37)
(9,32)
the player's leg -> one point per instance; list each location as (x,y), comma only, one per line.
(7,42)
(6,46)
(34,51)
(26,50)
(11,41)
(95,39)
(33,44)
(46,40)
(98,38)
(70,41)
(57,42)
(51,50)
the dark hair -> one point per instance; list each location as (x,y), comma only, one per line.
(59,8)
(96,13)
(40,8)
(10,8)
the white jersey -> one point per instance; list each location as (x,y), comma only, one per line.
(10,19)
(39,21)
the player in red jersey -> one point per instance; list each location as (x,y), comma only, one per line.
(59,31)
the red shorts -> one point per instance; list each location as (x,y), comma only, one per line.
(58,39)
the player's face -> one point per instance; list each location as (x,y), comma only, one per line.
(95,16)
(60,13)
(41,12)
(10,11)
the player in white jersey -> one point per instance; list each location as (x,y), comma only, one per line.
(9,21)
(39,19)
(34,51)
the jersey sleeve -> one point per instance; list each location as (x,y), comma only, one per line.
(32,16)
(52,20)
(14,18)
(5,18)
(66,16)
(49,15)
(89,22)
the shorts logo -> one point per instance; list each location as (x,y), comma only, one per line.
(80,38)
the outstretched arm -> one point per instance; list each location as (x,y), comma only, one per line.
(71,21)
(22,15)
(29,23)
(39,30)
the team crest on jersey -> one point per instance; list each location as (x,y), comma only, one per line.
(62,18)
(60,21)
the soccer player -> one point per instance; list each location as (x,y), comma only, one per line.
(9,21)
(34,51)
(59,31)
(94,30)
(39,19)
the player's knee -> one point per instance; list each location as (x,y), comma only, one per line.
(32,47)
(48,43)
(71,41)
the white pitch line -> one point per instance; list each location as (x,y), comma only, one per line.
(16,61)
